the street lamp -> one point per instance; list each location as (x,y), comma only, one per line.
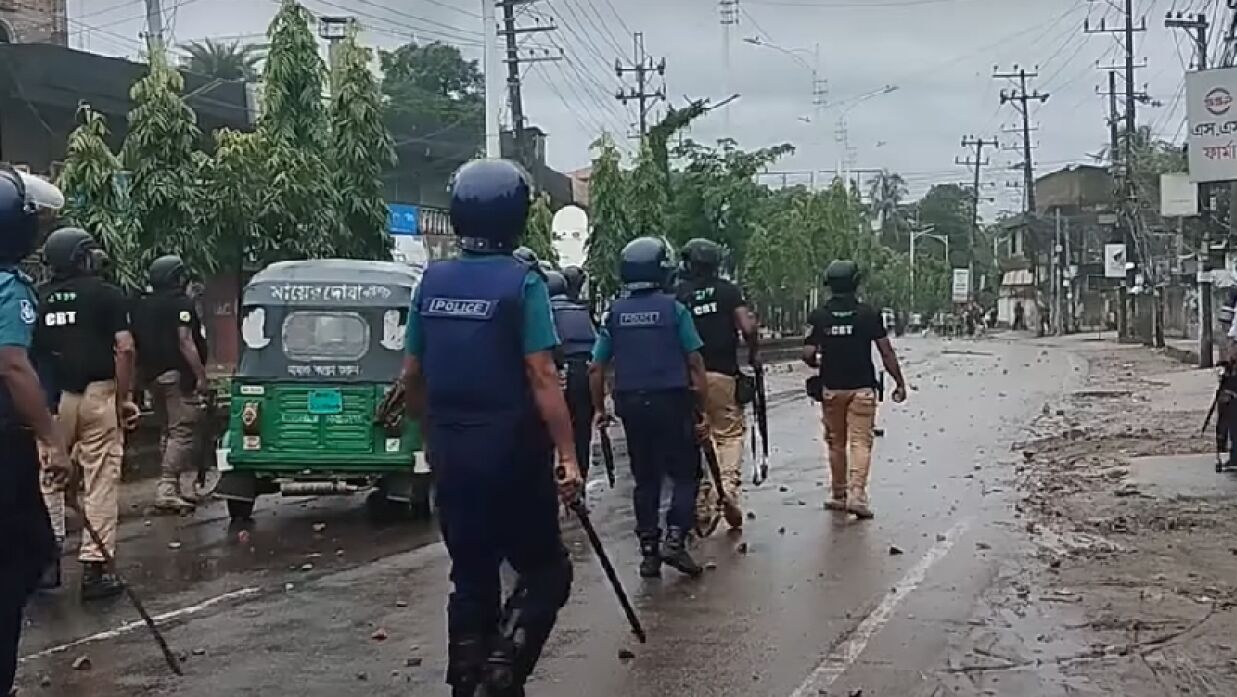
(916,234)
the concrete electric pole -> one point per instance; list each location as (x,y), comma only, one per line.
(154,25)
(643,66)
(511,33)
(977,165)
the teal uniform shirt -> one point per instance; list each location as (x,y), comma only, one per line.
(18,315)
(689,338)
(539,332)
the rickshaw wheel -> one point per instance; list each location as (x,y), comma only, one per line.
(240,510)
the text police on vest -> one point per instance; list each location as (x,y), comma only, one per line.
(639,319)
(452,307)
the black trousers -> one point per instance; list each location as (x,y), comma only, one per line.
(27,545)
(580,404)
(661,445)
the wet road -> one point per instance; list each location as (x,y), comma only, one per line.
(316,600)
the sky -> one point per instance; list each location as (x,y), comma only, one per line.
(941,56)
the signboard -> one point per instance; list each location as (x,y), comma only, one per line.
(1114,261)
(403,219)
(1178,195)
(1212,116)
(961,285)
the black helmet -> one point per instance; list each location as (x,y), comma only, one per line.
(556,282)
(843,276)
(489,204)
(22,198)
(168,272)
(576,278)
(526,255)
(647,264)
(701,258)
(70,251)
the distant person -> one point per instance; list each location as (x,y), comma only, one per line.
(1020,317)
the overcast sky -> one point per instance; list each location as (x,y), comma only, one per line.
(940,54)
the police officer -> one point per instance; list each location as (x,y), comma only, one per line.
(172,361)
(721,315)
(577,333)
(83,332)
(481,378)
(839,343)
(576,278)
(27,429)
(650,338)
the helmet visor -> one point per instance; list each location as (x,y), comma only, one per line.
(40,193)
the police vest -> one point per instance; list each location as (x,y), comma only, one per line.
(575,327)
(472,320)
(648,354)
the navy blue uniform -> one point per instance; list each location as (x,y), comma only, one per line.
(27,546)
(649,335)
(575,328)
(474,321)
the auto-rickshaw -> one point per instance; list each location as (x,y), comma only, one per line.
(322,346)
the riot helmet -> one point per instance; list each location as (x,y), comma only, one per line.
(701,258)
(576,278)
(23,199)
(843,276)
(489,205)
(72,251)
(557,283)
(647,264)
(168,273)
(526,255)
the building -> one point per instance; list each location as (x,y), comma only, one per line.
(34,22)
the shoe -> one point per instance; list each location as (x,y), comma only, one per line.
(169,500)
(650,557)
(676,556)
(857,503)
(706,524)
(836,503)
(733,515)
(51,580)
(97,584)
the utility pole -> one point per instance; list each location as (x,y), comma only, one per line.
(154,25)
(511,33)
(729,18)
(643,66)
(333,30)
(1128,202)
(1020,98)
(493,129)
(978,164)
(1198,25)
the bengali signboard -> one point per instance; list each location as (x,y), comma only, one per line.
(961,285)
(1212,117)
(1114,261)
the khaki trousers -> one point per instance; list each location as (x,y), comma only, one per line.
(848,419)
(178,414)
(726,428)
(96,444)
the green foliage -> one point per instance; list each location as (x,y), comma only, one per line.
(222,60)
(609,213)
(429,88)
(539,230)
(363,150)
(947,207)
(96,200)
(299,216)
(888,193)
(159,154)
(231,181)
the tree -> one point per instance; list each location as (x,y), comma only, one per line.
(648,192)
(159,154)
(539,232)
(430,88)
(363,150)
(232,180)
(299,216)
(888,192)
(947,207)
(96,201)
(611,227)
(222,60)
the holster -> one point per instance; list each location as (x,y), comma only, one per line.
(744,389)
(815,388)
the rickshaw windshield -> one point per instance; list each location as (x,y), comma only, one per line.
(325,336)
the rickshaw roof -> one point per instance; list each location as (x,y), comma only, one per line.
(347,281)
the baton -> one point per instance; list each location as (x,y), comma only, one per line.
(760,471)
(582,513)
(607,453)
(172,661)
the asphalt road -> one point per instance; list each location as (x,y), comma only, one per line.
(315,600)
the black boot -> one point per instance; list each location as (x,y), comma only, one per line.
(50,580)
(676,556)
(97,584)
(465,665)
(650,553)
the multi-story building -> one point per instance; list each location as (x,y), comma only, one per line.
(34,22)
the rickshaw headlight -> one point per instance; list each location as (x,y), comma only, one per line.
(249,418)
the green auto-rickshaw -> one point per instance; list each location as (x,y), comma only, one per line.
(322,343)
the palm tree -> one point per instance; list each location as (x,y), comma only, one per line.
(888,191)
(223,60)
